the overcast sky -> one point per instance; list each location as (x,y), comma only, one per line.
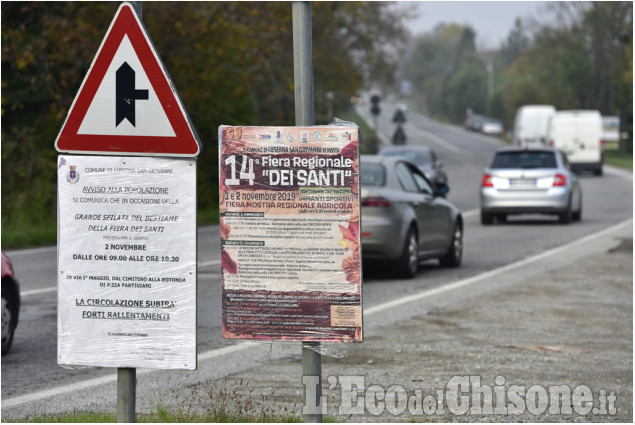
(492,20)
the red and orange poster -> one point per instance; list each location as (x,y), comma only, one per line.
(290,241)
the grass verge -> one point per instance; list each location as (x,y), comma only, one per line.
(208,216)
(228,401)
(619,159)
(23,234)
(162,415)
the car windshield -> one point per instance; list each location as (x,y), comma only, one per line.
(418,157)
(524,159)
(372,174)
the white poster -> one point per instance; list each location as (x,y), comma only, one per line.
(126,262)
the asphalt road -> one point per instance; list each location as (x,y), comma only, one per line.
(31,377)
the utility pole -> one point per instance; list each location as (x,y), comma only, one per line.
(304,116)
(490,78)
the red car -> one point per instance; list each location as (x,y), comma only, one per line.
(10,303)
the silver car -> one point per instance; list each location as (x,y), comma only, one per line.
(492,126)
(530,180)
(405,219)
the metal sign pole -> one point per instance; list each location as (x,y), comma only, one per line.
(126,394)
(127,376)
(303,63)
(304,116)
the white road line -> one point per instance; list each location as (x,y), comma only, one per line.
(385,141)
(40,395)
(37,291)
(618,172)
(226,350)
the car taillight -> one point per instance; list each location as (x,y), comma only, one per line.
(487,181)
(375,202)
(551,143)
(560,180)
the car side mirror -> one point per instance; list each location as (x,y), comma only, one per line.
(440,164)
(442,189)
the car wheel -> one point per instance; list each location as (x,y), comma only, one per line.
(8,314)
(486,218)
(577,215)
(408,263)
(566,217)
(455,253)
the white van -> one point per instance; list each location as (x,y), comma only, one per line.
(531,124)
(579,135)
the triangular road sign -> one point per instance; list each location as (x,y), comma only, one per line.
(399,138)
(399,117)
(127,104)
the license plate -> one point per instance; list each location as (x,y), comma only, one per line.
(522,182)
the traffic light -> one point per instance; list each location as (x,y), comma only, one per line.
(375,110)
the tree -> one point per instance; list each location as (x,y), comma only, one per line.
(516,43)
(579,62)
(434,60)
(466,88)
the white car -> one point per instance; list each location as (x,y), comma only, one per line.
(492,126)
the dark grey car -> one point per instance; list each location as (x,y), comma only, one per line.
(404,217)
(423,157)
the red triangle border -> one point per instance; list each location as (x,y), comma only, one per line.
(185,143)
